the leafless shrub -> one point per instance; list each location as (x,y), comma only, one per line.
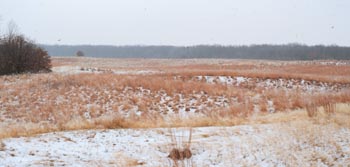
(80,53)
(18,55)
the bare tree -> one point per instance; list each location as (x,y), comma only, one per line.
(0,26)
(18,54)
(80,53)
(12,28)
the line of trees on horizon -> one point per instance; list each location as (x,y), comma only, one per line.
(266,51)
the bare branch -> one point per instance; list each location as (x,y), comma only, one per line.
(12,28)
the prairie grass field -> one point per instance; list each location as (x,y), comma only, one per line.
(303,106)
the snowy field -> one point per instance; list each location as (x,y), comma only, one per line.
(286,144)
(117,112)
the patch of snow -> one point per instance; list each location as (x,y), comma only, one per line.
(270,106)
(223,79)
(87,115)
(247,145)
(68,69)
(134,72)
(240,80)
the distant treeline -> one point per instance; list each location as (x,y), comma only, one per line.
(271,52)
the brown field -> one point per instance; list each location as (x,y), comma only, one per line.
(92,93)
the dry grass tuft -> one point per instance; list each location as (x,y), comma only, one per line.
(311,110)
(124,160)
(2,146)
(181,153)
(329,108)
(176,154)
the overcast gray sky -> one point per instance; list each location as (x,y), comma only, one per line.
(180,22)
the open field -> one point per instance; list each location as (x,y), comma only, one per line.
(299,143)
(244,112)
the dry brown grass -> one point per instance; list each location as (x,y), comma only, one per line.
(340,117)
(329,108)
(307,70)
(38,103)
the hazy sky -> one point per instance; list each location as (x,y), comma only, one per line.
(180,22)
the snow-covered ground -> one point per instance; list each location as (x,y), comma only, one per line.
(283,144)
(291,84)
(78,69)
(67,69)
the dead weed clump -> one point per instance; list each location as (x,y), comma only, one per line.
(181,153)
(2,146)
